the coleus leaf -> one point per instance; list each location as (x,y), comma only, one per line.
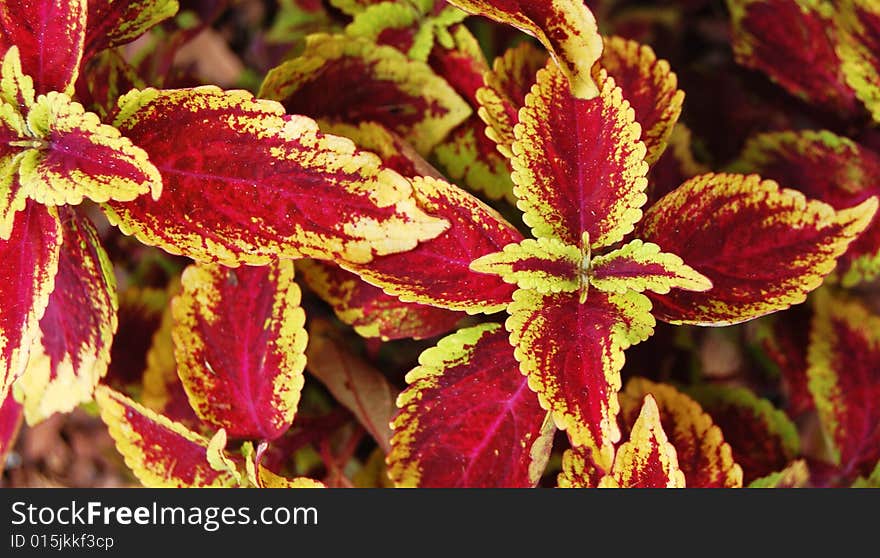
(11,416)
(649,85)
(369,310)
(50,35)
(784,339)
(240,342)
(74,156)
(641,266)
(161,453)
(438,272)
(163,391)
(763,248)
(506,87)
(559,199)
(394,151)
(112,23)
(27,278)
(783,37)
(468,418)
(139,315)
(545,265)
(261,477)
(373,83)
(462,62)
(647,459)
(704,456)
(763,438)
(566,28)
(827,167)
(355,384)
(12,196)
(859,50)
(72,351)
(795,475)
(843,369)
(315,195)
(572,354)
(872,481)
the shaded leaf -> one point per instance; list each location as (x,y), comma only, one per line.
(859,50)
(795,475)
(11,415)
(112,22)
(566,28)
(354,383)
(369,310)
(371,83)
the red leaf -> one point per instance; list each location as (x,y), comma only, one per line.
(112,22)
(240,346)
(764,248)
(27,278)
(255,184)
(72,352)
(468,418)
(49,35)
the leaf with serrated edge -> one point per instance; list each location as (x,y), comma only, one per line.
(161,453)
(27,279)
(438,272)
(49,35)
(72,351)
(545,265)
(859,51)
(506,87)
(16,87)
(566,28)
(830,168)
(372,83)
(650,86)
(763,247)
(113,23)
(844,379)
(572,354)
(558,196)
(353,382)
(579,470)
(795,42)
(369,310)
(12,196)
(75,156)
(641,266)
(239,342)
(468,418)
(266,185)
(268,479)
(704,457)
(647,459)
(762,437)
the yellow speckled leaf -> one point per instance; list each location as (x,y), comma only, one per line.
(705,458)
(649,85)
(572,354)
(370,83)
(641,266)
(545,265)
(566,28)
(507,85)
(240,342)
(12,196)
(647,460)
(245,183)
(74,156)
(16,87)
(859,50)
(564,189)
(578,470)
(72,351)
(161,453)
